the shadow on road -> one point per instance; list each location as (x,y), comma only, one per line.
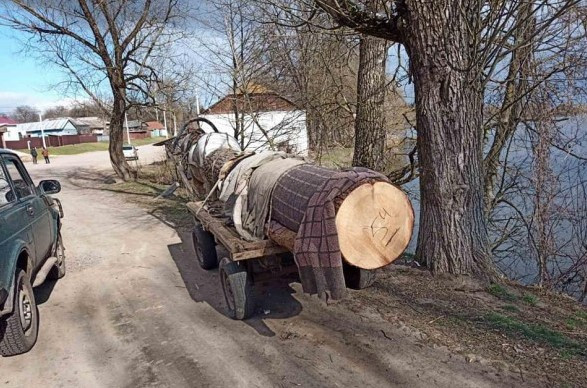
(44,291)
(273,297)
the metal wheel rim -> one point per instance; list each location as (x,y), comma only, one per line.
(228,294)
(25,307)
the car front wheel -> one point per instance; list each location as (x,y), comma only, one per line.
(19,330)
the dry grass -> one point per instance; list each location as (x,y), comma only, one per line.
(511,326)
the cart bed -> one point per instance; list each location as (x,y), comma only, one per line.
(237,247)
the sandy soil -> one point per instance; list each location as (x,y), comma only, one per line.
(135,309)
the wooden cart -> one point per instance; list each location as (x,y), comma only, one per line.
(236,270)
(240,268)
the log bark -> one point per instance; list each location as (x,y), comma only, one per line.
(374,221)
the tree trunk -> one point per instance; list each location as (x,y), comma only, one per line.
(516,87)
(453,234)
(370,135)
(117,159)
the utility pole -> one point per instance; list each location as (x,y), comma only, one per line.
(165,123)
(197,103)
(42,130)
(127,130)
(174,125)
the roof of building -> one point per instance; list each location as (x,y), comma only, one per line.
(92,121)
(7,121)
(255,102)
(45,125)
(154,125)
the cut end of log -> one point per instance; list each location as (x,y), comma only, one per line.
(374,224)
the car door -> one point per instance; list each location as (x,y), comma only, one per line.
(36,208)
(15,227)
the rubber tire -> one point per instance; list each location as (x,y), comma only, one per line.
(236,277)
(58,271)
(357,278)
(204,247)
(13,339)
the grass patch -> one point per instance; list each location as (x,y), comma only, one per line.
(530,299)
(535,332)
(511,308)
(501,292)
(76,149)
(159,172)
(577,321)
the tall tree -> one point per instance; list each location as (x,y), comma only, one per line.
(455,48)
(112,50)
(370,129)
(25,114)
(440,43)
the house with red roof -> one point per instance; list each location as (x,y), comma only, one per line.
(266,120)
(156,128)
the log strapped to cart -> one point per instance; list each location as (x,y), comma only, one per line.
(261,208)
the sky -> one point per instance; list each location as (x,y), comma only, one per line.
(24,80)
(27,81)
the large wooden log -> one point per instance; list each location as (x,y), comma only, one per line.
(374,224)
(374,221)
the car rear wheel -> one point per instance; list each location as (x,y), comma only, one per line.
(19,330)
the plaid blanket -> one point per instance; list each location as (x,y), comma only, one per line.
(293,191)
(316,248)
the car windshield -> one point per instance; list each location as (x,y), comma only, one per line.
(127,147)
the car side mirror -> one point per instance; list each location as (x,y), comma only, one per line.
(50,186)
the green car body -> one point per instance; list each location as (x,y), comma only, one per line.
(30,222)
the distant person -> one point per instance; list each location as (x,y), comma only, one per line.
(45,153)
(34,154)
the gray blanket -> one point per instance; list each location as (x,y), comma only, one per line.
(261,185)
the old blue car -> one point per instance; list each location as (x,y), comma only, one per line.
(31,250)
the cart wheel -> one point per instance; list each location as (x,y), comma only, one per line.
(237,288)
(358,278)
(205,247)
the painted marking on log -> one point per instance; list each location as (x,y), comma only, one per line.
(379,225)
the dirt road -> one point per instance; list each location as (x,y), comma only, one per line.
(136,310)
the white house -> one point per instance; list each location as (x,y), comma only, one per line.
(6,126)
(48,127)
(265,115)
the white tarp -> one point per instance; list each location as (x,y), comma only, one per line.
(210,143)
